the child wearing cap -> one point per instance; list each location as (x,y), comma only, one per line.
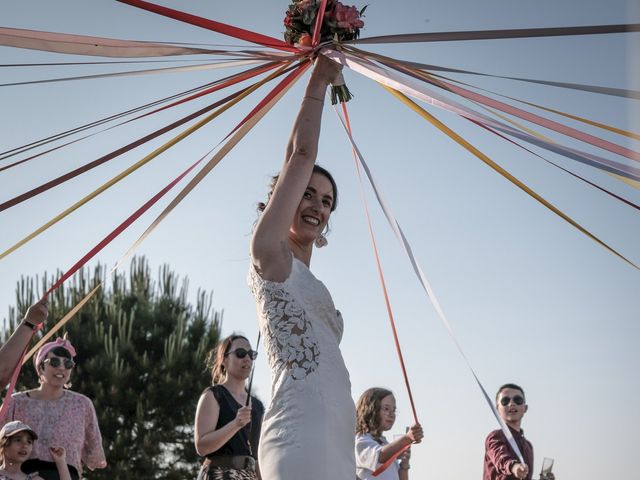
(16,442)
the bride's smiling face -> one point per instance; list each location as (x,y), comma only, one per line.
(314,210)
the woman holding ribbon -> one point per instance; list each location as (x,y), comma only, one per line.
(308,429)
(228,419)
(59,416)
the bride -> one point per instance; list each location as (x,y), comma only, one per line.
(309,426)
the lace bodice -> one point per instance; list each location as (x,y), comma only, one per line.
(285,308)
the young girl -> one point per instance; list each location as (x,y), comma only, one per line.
(16,442)
(376,413)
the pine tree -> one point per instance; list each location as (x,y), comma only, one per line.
(141,351)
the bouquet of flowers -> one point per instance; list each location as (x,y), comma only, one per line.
(339,23)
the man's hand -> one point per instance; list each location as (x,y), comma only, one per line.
(520,470)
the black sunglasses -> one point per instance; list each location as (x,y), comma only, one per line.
(241,353)
(55,362)
(517,399)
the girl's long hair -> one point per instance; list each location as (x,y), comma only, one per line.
(367,411)
(4,441)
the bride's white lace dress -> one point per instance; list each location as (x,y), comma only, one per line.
(309,427)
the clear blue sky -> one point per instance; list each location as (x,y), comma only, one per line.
(532,300)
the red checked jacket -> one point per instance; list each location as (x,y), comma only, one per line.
(499,457)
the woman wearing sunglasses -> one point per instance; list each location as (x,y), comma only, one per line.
(59,416)
(228,419)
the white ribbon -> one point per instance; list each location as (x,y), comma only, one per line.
(421,92)
(406,247)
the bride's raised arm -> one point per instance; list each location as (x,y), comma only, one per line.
(270,247)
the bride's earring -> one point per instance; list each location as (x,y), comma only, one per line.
(321,241)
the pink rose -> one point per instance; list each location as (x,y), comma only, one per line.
(347,17)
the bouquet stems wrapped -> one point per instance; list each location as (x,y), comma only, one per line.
(339,91)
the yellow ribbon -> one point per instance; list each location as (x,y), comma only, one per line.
(629,181)
(461,141)
(233,141)
(632,183)
(60,323)
(140,163)
(593,123)
(432,78)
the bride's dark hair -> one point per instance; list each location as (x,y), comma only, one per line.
(316,169)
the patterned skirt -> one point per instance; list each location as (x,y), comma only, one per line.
(226,473)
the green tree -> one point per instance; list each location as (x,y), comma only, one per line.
(141,352)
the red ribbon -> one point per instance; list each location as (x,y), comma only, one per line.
(299,70)
(241,33)
(603,190)
(74,173)
(134,216)
(388,463)
(518,112)
(118,230)
(14,380)
(217,85)
(318,25)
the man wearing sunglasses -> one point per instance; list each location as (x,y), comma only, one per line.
(500,461)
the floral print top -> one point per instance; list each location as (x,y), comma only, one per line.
(68,422)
